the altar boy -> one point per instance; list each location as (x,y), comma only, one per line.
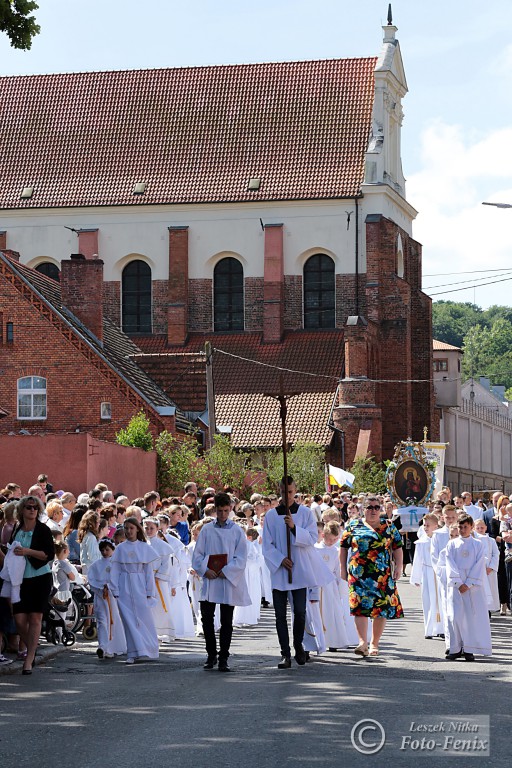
(220,557)
(467,614)
(305,565)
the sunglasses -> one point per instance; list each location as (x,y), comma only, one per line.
(30,506)
(376,508)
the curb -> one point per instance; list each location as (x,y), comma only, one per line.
(43,654)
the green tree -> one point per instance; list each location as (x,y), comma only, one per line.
(17,23)
(225,466)
(488,352)
(177,462)
(137,434)
(306,464)
(452,320)
(370,475)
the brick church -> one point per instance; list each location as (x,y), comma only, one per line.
(259,207)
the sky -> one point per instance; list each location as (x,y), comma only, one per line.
(457,132)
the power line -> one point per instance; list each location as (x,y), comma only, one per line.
(470,287)
(464,272)
(469,280)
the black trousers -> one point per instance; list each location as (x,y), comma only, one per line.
(226,628)
(298,599)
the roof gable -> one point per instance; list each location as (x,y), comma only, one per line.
(117,348)
(192,135)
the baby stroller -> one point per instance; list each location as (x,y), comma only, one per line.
(54,626)
(77,612)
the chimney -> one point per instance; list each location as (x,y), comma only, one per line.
(273,285)
(81,283)
(177,297)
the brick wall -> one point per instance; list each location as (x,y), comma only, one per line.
(159,292)
(292,302)
(346,298)
(75,385)
(398,346)
(112,301)
(200,306)
(253,298)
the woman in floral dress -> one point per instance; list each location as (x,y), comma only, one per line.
(375,562)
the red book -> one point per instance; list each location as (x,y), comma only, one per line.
(217,562)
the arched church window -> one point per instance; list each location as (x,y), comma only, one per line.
(319,292)
(136,297)
(228,295)
(49,269)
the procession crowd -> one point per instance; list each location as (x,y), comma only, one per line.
(162,569)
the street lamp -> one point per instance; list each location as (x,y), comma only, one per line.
(499,205)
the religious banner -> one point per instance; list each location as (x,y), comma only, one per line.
(410,477)
(410,518)
(436,452)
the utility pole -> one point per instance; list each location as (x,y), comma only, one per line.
(210,394)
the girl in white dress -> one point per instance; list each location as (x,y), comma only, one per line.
(492,559)
(181,610)
(423,574)
(249,615)
(162,570)
(331,602)
(111,637)
(133,583)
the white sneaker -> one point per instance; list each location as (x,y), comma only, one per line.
(4,661)
(109,655)
(130,661)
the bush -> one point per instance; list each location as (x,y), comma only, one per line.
(137,434)
(370,475)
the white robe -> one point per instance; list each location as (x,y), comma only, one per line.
(195,583)
(468,616)
(422,573)
(331,601)
(492,559)
(308,570)
(162,614)
(314,638)
(229,540)
(250,614)
(438,542)
(133,583)
(265,577)
(111,636)
(181,610)
(440,571)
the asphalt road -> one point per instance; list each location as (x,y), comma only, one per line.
(76,709)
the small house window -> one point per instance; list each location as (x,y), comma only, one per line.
(32,397)
(440,365)
(9,333)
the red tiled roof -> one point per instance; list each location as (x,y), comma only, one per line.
(241,386)
(192,134)
(256,423)
(442,346)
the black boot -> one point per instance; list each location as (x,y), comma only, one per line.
(210,662)
(285,663)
